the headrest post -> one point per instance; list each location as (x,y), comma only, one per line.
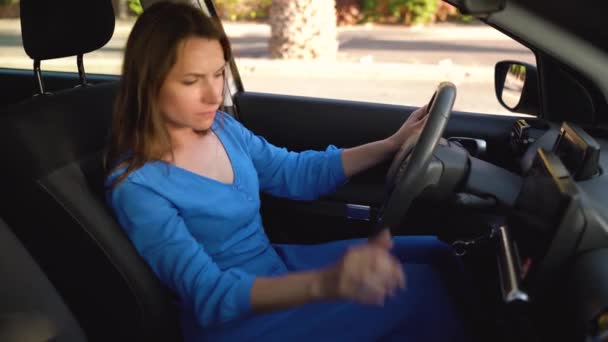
(38,76)
(81,73)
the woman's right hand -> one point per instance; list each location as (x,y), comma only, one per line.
(367,273)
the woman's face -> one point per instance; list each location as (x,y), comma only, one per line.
(193,89)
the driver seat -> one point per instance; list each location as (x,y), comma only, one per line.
(53,194)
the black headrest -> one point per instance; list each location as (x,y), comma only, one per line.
(62,28)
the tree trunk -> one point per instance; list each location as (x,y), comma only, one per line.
(303,29)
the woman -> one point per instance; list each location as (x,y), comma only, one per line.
(184,182)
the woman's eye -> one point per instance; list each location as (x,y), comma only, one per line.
(188,82)
(221,74)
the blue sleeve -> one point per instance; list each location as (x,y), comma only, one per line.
(305,175)
(160,235)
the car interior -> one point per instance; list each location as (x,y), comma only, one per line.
(523,199)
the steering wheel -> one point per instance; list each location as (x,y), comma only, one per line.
(407,176)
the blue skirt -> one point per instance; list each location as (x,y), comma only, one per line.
(431,308)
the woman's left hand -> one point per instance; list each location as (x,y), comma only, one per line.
(359,158)
(411,128)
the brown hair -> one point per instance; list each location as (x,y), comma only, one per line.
(138,132)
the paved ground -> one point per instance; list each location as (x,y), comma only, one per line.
(389,64)
(475,45)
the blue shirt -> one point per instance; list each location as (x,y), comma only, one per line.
(203,238)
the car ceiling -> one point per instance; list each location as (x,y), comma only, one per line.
(570,33)
(583,18)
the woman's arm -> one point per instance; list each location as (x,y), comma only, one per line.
(162,238)
(366,273)
(215,295)
(357,159)
(294,289)
(304,175)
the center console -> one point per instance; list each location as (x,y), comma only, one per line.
(547,219)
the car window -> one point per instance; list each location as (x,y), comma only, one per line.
(107,60)
(384,63)
(393,64)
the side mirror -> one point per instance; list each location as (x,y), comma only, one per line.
(516,85)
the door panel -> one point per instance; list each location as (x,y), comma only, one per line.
(300,123)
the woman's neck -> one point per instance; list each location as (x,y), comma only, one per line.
(183,140)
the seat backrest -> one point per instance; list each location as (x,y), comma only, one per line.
(52,196)
(30,308)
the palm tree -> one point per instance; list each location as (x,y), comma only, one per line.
(303,29)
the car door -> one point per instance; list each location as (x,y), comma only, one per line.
(315,119)
(300,123)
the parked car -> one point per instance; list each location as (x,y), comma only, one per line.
(523,200)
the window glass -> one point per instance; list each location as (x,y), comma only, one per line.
(379,62)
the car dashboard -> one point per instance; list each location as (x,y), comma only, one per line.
(551,248)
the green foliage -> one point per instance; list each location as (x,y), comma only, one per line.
(414,11)
(371,10)
(411,12)
(404,11)
(243,9)
(135,6)
(518,69)
(464,18)
(7,2)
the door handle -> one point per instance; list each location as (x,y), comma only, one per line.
(476,147)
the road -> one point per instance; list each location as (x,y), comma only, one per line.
(474,45)
(387,64)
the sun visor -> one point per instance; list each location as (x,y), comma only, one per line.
(55,29)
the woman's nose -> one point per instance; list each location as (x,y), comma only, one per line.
(212,93)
